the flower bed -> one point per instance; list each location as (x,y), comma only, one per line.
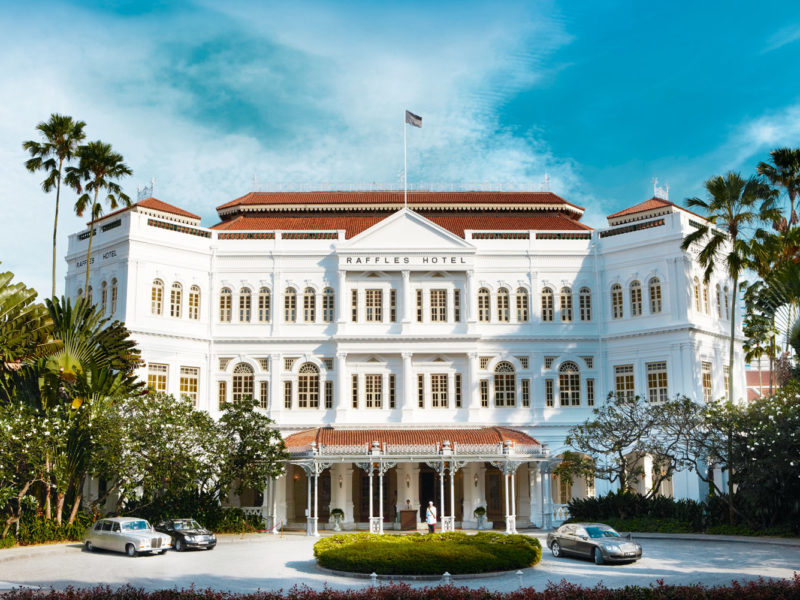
(756,590)
(431,554)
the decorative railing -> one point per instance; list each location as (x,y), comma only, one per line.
(178,228)
(456,450)
(310,235)
(560,513)
(111,225)
(499,235)
(246,235)
(696,224)
(631,228)
(564,236)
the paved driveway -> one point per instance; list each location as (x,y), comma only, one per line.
(269,562)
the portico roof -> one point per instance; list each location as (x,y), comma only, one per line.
(331,441)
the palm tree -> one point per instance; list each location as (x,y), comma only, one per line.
(61,135)
(784,172)
(100,166)
(733,204)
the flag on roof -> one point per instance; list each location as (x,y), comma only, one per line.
(413,119)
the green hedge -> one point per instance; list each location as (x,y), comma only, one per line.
(432,554)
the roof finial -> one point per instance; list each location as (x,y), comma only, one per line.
(660,192)
(546,182)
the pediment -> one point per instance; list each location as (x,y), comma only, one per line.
(407,230)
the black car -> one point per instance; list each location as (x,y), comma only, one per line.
(187,533)
(593,540)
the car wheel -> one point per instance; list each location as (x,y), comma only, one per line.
(89,547)
(130,550)
(598,556)
(555,549)
(180,545)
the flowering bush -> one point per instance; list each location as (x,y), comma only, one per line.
(754,590)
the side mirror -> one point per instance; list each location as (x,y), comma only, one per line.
(584,537)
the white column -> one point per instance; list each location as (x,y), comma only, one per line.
(315,520)
(280,500)
(342,387)
(508,508)
(452,494)
(371,513)
(535,494)
(470,298)
(309,528)
(275,387)
(512,477)
(647,466)
(342,299)
(405,295)
(409,387)
(380,497)
(547,497)
(472,393)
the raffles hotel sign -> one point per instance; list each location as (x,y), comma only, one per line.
(404,261)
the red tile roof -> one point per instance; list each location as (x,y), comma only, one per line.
(153,204)
(651,204)
(332,436)
(355,223)
(395,197)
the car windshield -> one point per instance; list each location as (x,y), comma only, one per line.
(601,532)
(135,526)
(186,524)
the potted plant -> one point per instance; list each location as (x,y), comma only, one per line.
(337,514)
(480,514)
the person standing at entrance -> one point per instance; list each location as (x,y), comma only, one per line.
(430,517)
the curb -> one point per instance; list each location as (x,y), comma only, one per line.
(708,537)
(461,576)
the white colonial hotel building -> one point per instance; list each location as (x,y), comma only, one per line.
(439,352)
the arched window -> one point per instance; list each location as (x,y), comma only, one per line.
(89,295)
(547,304)
(522,305)
(569,384)
(157,297)
(104,297)
(264,305)
(655,295)
(328,305)
(308,386)
(502,305)
(585,301)
(636,299)
(616,301)
(727,307)
(697,305)
(483,305)
(225,305)
(242,382)
(114,294)
(290,305)
(566,304)
(194,302)
(245,305)
(309,305)
(505,384)
(719,302)
(706,308)
(175,300)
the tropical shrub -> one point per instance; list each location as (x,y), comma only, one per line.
(454,552)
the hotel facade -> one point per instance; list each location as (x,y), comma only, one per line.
(436,352)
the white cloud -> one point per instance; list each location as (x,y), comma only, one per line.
(782,37)
(325,91)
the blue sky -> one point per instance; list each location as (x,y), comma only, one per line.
(206,96)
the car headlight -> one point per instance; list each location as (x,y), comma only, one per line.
(613,547)
(191,538)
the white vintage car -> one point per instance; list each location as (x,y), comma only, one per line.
(126,534)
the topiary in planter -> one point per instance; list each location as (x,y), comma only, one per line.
(454,552)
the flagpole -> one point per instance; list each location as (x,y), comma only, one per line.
(405,165)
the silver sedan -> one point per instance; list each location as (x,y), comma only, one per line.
(126,534)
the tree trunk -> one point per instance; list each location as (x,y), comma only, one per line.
(760,380)
(15,518)
(731,395)
(48,507)
(55,224)
(91,239)
(75,507)
(59,506)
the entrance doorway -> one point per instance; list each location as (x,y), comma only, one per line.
(495,497)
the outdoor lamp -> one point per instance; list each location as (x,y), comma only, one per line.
(340,481)
(408,480)
(475,479)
